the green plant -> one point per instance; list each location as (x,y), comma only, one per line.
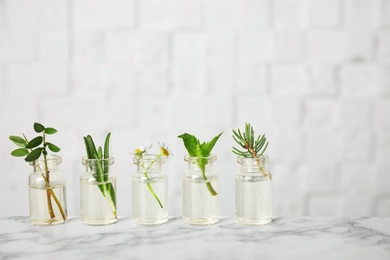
(253,148)
(200,151)
(32,151)
(99,163)
(139,152)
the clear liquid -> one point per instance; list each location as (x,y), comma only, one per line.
(95,209)
(253,200)
(39,209)
(199,206)
(145,208)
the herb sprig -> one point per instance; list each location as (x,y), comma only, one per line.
(200,151)
(253,148)
(143,150)
(32,150)
(99,162)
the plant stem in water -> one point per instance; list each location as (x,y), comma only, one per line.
(148,184)
(208,184)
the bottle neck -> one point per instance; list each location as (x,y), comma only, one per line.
(98,166)
(150,163)
(253,165)
(200,163)
(51,163)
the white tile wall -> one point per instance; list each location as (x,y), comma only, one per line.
(313,75)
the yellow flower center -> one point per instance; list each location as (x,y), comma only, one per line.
(164,151)
(137,151)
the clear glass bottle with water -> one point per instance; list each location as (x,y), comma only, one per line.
(47,188)
(149,190)
(200,199)
(98,192)
(253,192)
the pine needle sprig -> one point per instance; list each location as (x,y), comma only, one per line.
(246,139)
(252,148)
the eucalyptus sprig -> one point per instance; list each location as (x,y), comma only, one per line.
(253,147)
(200,151)
(99,162)
(32,151)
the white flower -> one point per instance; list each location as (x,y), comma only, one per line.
(143,149)
(164,151)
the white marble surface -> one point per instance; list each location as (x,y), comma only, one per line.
(284,238)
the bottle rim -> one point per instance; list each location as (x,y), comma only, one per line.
(50,158)
(210,159)
(85,160)
(264,159)
(149,158)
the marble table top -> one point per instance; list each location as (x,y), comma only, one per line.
(284,238)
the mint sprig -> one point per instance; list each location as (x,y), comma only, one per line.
(200,151)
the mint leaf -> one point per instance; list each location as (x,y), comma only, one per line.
(195,149)
(208,146)
(191,143)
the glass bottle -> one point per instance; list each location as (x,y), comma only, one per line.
(253,192)
(98,192)
(149,191)
(47,190)
(200,200)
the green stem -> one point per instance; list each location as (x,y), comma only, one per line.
(49,192)
(208,184)
(148,184)
(265,174)
(154,194)
(108,192)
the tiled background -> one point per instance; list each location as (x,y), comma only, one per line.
(314,75)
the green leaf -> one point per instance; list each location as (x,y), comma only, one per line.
(190,143)
(89,155)
(19,141)
(100,153)
(50,130)
(106,156)
(34,142)
(207,147)
(107,146)
(91,145)
(99,168)
(38,127)
(33,155)
(19,152)
(53,147)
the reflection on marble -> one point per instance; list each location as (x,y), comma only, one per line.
(284,238)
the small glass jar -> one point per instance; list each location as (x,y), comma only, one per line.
(47,188)
(200,200)
(149,191)
(98,192)
(253,192)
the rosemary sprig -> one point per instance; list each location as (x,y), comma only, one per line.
(100,163)
(252,147)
